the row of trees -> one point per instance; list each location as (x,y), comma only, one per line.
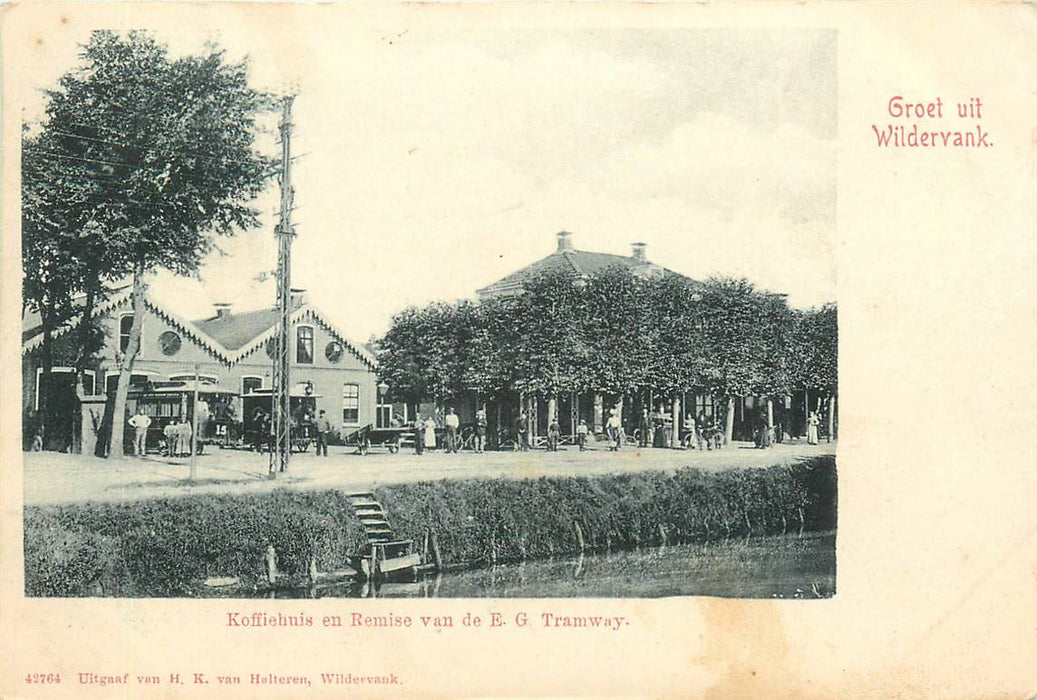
(141,162)
(613,333)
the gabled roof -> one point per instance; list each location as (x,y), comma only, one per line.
(229,339)
(582,263)
(301,312)
(32,322)
(234,331)
(32,326)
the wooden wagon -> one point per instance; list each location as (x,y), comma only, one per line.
(368,436)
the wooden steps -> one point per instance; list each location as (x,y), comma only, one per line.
(385,551)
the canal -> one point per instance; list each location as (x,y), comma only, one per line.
(787,566)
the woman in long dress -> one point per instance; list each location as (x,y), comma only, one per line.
(430,433)
(812,423)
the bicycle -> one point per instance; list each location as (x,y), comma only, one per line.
(505,441)
(466,438)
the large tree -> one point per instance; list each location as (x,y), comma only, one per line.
(552,352)
(814,354)
(745,333)
(619,332)
(164,156)
(63,259)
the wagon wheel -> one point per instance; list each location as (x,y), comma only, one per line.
(394,445)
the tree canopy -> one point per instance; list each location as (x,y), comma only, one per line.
(157,153)
(142,161)
(613,332)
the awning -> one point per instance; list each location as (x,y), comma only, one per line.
(297,392)
(188,387)
(191,375)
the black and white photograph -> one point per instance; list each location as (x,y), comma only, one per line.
(521,329)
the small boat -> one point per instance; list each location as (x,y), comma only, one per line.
(383,559)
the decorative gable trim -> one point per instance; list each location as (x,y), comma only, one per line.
(190,330)
(107,306)
(125,298)
(307,312)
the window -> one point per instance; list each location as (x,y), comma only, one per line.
(70,380)
(384,416)
(704,404)
(169,343)
(304,345)
(250,384)
(125,324)
(333,352)
(350,404)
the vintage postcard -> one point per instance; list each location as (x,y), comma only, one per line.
(518,349)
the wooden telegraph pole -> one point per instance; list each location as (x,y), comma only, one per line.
(281,420)
(194,427)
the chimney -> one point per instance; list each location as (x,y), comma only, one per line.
(564,241)
(639,251)
(222,309)
(298,296)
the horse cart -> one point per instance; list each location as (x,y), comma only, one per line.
(258,412)
(363,439)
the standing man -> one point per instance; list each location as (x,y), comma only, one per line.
(554,433)
(480,429)
(615,431)
(704,430)
(170,432)
(522,429)
(452,423)
(419,433)
(323,428)
(581,435)
(203,419)
(140,423)
(644,429)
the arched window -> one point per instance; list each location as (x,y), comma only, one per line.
(125,325)
(250,383)
(304,345)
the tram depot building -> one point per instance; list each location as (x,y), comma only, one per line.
(230,353)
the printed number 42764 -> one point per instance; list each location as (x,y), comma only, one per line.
(43,678)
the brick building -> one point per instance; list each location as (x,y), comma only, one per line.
(231,353)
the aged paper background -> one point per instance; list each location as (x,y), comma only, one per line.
(937,288)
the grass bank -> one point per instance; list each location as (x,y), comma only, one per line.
(165,547)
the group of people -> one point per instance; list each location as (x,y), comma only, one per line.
(177,438)
(554,433)
(318,428)
(425,435)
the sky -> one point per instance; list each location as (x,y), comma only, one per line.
(435,161)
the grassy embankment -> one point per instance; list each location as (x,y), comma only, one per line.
(166,547)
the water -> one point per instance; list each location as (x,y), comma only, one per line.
(766,567)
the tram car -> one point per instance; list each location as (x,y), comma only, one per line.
(172,401)
(258,413)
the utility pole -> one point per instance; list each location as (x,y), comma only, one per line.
(281,448)
(194,426)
